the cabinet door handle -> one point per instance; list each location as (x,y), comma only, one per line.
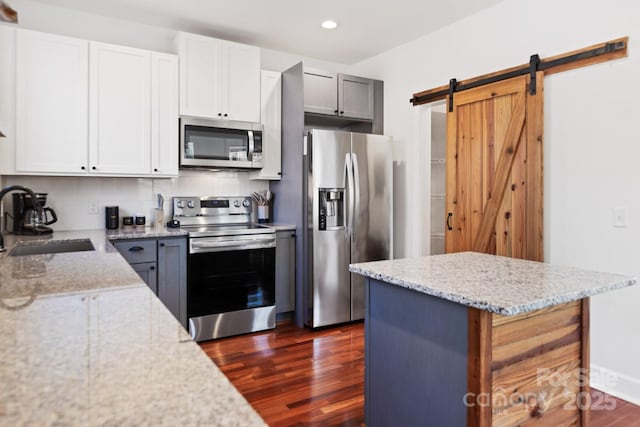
(293,235)
(162,245)
(93,168)
(341,112)
(155,169)
(449,221)
(136,249)
(335,111)
(225,114)
(219,114)
(82,167)
(152,267)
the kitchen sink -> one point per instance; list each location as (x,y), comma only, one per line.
(51,247)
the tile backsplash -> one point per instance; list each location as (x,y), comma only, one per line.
(71,197)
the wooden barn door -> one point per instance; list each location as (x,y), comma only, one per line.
(494,170)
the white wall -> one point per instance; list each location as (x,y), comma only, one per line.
(592,142)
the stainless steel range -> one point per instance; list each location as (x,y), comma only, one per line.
(230,268)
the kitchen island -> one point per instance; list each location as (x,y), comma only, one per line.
(83,341)
(478,340)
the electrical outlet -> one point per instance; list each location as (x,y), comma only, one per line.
(620,217)
(93,207)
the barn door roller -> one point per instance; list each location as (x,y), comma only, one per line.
(592,55)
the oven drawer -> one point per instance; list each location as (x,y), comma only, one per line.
(135,251)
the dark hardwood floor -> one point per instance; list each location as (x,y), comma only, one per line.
(300,377)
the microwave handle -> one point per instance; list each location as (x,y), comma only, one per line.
(251,145)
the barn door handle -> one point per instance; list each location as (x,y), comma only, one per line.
(449,221)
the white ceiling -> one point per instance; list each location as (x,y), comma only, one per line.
(365,27)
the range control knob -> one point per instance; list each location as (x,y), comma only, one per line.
(236,203)
(246,203)
(190,204)
(180,204)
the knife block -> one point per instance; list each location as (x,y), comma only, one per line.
(158,218)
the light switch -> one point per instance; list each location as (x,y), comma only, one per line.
(620,217)
(93,207)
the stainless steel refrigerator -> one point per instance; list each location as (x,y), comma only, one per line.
(348,209)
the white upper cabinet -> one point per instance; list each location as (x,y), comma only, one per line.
(120,105)
(240,82)
(164,114)
(271,115)
(51,103)
(218,79)
(93,108)
(200,76)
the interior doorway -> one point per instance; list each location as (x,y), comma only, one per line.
(436,191)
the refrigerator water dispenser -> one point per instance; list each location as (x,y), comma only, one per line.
(331,209)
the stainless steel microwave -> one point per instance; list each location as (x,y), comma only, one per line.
(220,144)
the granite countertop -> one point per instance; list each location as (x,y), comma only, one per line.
(83,341)
(145,232)
(497,284)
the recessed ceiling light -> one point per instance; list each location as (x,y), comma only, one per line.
(329,24)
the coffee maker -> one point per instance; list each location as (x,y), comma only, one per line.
(26,219)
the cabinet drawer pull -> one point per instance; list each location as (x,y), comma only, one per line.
(152,268)
(136,249)
(162,245)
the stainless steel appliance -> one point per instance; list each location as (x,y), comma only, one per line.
(230,267)
(220,144)
(27,219)
(348,210)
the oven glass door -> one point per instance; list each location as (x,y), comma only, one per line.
(206,143)
(220,282)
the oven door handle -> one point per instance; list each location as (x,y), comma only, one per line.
(257,242)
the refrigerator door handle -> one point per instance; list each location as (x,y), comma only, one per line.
(350,194)
(356,193)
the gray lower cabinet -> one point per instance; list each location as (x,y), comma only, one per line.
(285,271)
(172,276)
(149,273)
(162,264)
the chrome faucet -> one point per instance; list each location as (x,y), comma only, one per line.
(18,188)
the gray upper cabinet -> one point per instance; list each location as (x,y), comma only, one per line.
(340,95)
(355,97)
(320,90)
